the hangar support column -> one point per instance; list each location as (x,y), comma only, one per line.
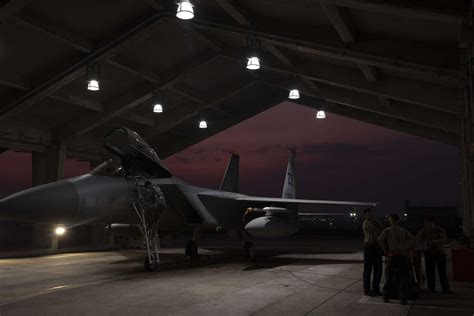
(466,119)
(48,166)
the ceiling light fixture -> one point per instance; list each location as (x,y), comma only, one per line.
(320,114)
(185,10)
(294,94)
(253,47)
(253,63)
(202,124)
(93,75)
(157,100)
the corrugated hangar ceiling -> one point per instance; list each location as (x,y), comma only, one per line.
(397,64)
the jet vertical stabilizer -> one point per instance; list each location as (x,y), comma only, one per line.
(230,182)
(289,188)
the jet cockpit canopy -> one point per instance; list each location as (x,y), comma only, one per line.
(137,155)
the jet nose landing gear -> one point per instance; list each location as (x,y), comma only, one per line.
(148,207)
(151,262)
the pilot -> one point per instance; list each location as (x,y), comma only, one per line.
(372,253)
(396,242)
(433,237)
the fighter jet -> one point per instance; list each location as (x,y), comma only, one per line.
(135,194)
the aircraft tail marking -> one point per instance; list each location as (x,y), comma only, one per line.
(289,187)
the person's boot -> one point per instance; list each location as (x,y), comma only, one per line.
(377,293)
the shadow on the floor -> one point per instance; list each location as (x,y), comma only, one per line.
(174,262)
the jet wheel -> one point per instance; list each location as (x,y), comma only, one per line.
(150,266)
(249,251)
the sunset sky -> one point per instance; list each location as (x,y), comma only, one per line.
(337,158)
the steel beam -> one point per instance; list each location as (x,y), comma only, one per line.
(370,104)
(131,99)
(55,32)
(306,43)
(233,11)
(346,32)
(397,125)
(78,42)
(78,69)
(135,70)
(403,90)
(394,9)
(11,7)
(170,120)
(261,98)
(48,166)
(23,146)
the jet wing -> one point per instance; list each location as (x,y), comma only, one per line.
(302,202)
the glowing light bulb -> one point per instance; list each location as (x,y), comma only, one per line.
(294,94)
(203,124)
(185,10)
(158,108)
(93,85)
(320,114)
(60,230)
(253,63)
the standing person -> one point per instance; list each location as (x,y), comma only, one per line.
(372,254)
(433,238)
(396,243)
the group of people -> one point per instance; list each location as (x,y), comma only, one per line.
(402,251)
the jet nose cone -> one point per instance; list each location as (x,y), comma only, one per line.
(50,203)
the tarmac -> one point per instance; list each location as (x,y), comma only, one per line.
(318,275)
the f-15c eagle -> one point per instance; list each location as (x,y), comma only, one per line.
(136,193)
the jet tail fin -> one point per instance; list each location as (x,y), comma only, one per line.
(289,187)
(230,182)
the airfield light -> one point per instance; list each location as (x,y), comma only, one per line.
(202,124)
(294,94)
(185,10)
(60,230)
(320,114)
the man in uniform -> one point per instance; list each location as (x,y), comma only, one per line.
(396,242)
(433,237)
(372,254)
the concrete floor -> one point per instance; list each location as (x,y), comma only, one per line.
(309,280)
